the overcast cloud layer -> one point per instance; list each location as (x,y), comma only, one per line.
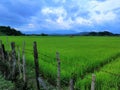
(62,16)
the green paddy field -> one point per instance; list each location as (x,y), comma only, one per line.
(80,55)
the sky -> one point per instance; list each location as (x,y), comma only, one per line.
(61,16)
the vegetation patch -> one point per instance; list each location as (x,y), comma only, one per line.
(5,84)
(78,55)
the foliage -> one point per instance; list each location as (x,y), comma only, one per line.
(104,33)
(5,85)
(78,55)
(43,34)
(7,30)
(107,78)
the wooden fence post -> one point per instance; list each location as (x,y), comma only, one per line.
(93,82)
(58,71)
(19,64)
(2,51)
(36,64)
(13,60)
(72,82)
(24,63)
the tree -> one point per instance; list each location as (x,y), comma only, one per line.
(43,34)
(105,33)
(7,30)
(93,33)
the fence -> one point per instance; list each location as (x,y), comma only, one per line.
(14,67)
(11,65)
(71,82)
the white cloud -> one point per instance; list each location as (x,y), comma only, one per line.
(103,17)
(58,1)
(105,11)
(82,21)
(60,14)
(58,11)
(99,12)
(105,6)
(61,21)
(64,23)
(63,18)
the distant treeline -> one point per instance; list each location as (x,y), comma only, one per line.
(104,33)
(42,34)
(7,30)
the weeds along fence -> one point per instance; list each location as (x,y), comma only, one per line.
(13,67)
(71,83)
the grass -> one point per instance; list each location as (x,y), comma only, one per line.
(79,55)
(107,78)
(5,85)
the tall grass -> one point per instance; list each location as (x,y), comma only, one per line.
(107,78)
(6,85)
(78,55)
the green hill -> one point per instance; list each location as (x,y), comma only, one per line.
(7,30)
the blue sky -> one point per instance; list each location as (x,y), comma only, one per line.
(61,16)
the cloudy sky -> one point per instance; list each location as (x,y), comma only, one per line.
(61,16)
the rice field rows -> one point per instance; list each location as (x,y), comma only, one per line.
(78,55)
(107,78)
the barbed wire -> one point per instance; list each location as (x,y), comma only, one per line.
(49,62)
(41,58)
(28,51)
(44,56)
(64,81)
(47,56)
(52,58)
(44,53)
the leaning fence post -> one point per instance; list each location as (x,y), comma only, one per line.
(93,82)
(2,51)
(24,66)
(36,64)
(13,60)
(3,47)
(24,63)
(19,64)
(58,71)
(71,84)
